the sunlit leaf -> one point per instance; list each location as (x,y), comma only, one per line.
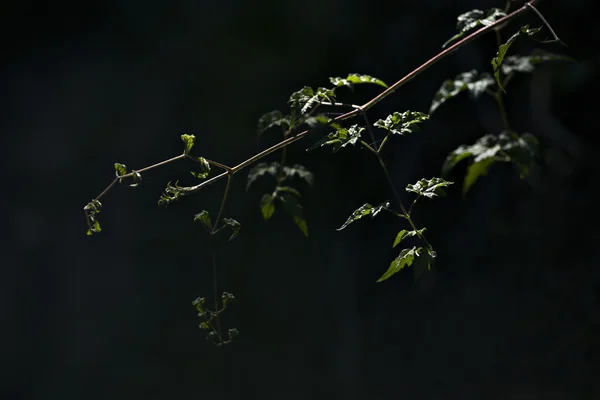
(363,211)
(499,59)
(401,123)
(340,138)
(404,259)
(91,209)
(199,304)
(137,178)
(204,217)
(473,82)
(305,98)
(403,234)
(528,63)
(429,187)
(234,225)
(293,208)
(271,119)
(204,168)
(475,19)
(261,169)
(171,194)
(353,79)
(267,207)
(120,169)
(189,141)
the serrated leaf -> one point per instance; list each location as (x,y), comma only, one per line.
(474,19)
(137,178)
(204,168)
(189,141)
(305,98)
(340,138)
(120,169)
(261,169)
(271,119)
(527,63)
(429,187)
(267,207)
(353,79)
(499,59)
(473,82)
(293,208)
(401,123)
(204,217)
(423,263)
(404,259)
(363,211)
(234,225)
(403,234)
(299,171)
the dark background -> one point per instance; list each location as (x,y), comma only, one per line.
(512,310)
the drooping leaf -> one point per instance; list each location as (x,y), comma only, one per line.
(401,123)
(321,121)
(499,59)
(404,259)
(294,209)
(137,178)
(287,189)
(403,234)
(199,304)
(267,207)
(171,194)
(363,211)
(234,225)
(353,79)
(120,169)
(475,19)
(423,263)
(261,169)
(305,98)
(189,141)
(204,168)
(271,119)
(91,209)
(528,63)
(204,217)
(340,138)
(429,187)
(299,171)
(474,171)
(473,82)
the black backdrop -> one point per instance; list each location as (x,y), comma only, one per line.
(511,311)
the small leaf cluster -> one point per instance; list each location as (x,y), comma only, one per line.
(204,218)
(121,172)
(209,320)
(91,210)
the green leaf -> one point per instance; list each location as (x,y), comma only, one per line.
(271,119)
(321,120)
(205,326)
(299,171)
(527,63)
(499,59)
(189,141)
(423,263)
(171,194)
(340,138)
(137,178)
(199,304)
(287,189)
(91,209)
(353,79)
(363,211)
(474,19)
(234,225)
(429,187)
(473,82)
(401,123)
(204,217)
(474,171)
(204,168)
(404,259)
(120,169)
(267,207)
(232,332)
(227,298)
(403,234)
(261,169)
(293,208)
(305,98)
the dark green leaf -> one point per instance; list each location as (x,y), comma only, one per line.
(120,169)
(227,298)
(474,171)
(340,138)
(472,81)
(232,332)
(205,326)
(204,168)
(429,187)
(423,263)
(189,141)
(363,211)
(287,189)
(305,98)
(527,63)
(321,121)
(353,79)
(234,225)
(401,123)
(293,208)
(499,59)
(261,169)
(403,234)
(267,207)
(204,217)
(171,194)
(271,119)
(475,19)
(299,171)
(199,304)
(404,259)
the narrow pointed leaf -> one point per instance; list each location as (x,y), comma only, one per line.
(473,82)
(354,79)
(429,187)
(403,234)
(474,19)
(363,211)
(404,259)
(402,123)
(503,49)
